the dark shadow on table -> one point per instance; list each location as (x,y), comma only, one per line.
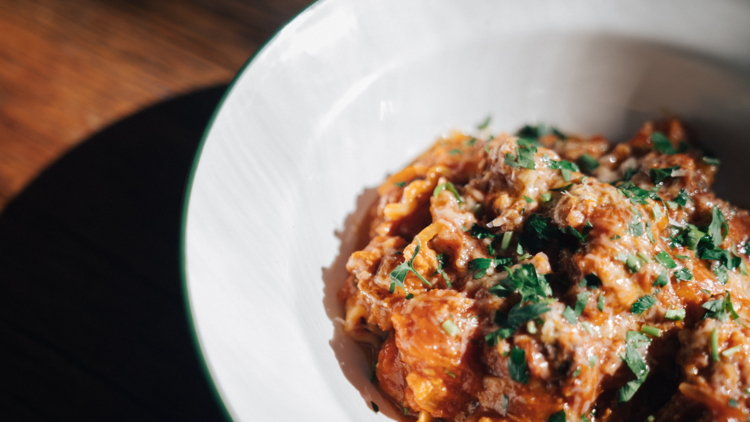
(92,319)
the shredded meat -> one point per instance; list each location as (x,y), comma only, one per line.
(511,278)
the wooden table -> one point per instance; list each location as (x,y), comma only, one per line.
(102,104)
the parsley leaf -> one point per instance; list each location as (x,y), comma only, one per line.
(525,154)
(517,366)
(588,163)
(627,391)
(643,303)
(637,339)
(481,232)
(664,259)
(637,229)
(662,280)
(521,314)
(450,327)
(565,168)
(581,300)
(398,275)
(662,144)
(485,123)
(658,175)
(715,229)
(633,262)
(557,417)
(447,185)
(600,305)
(683,274)
(400,184)
(442,261)
(635,362)
(675,314)
(570,315)
(711,161)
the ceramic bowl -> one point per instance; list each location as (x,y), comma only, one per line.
(352,90)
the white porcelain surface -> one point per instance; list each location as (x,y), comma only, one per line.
(354,89)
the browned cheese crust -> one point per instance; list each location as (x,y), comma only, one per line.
(492,217)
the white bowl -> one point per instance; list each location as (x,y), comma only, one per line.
(352,90)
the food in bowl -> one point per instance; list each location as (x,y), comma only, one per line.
(547,277)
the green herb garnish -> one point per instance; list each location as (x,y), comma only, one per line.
(398,275)
(570,315)
(643,303)
(588,163)
(652,331)
(447,185)
(662,143)
(658,175)
(675,314)
(517,366)
(664,259)
(715,345)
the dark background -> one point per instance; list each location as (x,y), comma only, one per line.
(102,105)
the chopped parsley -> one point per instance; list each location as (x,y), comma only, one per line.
(557,417)
(662,143)
(546,197)
(601,302)
(517,366)
(732,403)
(715,345)
(711,161)
(527,199)
(447,185)
(485,123)
(534,132)
(570,315)
(524,156)
(662,280)
(565,168)
(679,201)
(634,263)
(450,373)
(520,314)
(507,236)
(398,275)
(588,163)
(481,232)
(659,175)
(400,184)
(637,228)
(581,301)
(635,362)
(720,309)
(454,151)
(374,407)
(442,261)
(592,361)
(652,331)
(664,259)
(732,350)
(715,232)
(643,303)
(675,314)
(562,188)
(683,274)
(450,327)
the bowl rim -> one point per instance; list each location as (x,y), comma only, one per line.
(198,348)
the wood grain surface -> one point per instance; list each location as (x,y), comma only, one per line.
(69,68)
(102,104)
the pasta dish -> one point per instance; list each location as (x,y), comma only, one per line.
(550,277)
